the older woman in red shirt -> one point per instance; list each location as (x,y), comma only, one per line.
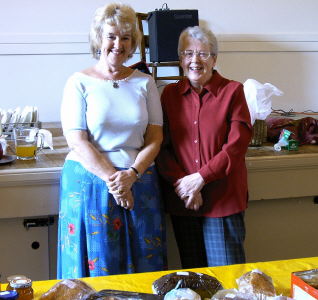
(202,161)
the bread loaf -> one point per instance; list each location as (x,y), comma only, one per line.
(206,286)
(256,282)
(68,289)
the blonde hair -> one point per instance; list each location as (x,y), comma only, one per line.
(114,14)
(201,34)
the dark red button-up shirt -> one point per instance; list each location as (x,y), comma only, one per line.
(207,133)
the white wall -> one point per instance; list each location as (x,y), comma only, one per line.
(43,42)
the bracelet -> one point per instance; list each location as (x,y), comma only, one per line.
(136,171)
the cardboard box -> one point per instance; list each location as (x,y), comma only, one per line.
(300,287)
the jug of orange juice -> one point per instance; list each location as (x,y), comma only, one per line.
(26,142)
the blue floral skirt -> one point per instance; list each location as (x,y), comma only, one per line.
(96,237)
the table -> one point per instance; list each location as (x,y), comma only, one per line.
(25,182)
(280,271)
(267,171)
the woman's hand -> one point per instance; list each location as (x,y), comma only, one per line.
(188,189)
(119,184)
(194,202)
(125,200)
(121,181)
(189,185)
(88,155)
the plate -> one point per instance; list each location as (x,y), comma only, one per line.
(28,117)
(35,114)
(7,159)
(23,114)
(6,118)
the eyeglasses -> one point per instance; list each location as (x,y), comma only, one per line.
(188,54)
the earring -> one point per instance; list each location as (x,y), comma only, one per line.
(98,52)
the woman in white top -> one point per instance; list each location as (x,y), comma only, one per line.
(110,218)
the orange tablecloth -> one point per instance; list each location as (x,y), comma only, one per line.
(279,271)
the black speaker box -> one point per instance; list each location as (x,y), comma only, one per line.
(164,27)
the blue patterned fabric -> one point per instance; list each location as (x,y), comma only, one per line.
(208,242)
(96,237)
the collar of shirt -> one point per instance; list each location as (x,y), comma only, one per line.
(211,86)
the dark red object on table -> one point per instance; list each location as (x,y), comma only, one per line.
(304,130)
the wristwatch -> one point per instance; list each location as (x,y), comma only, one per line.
(136,171)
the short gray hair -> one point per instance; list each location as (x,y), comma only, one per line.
(201,34)
(114,14)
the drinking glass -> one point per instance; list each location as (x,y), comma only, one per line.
(26,142)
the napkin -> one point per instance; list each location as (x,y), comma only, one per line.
(3,143)
(45,139)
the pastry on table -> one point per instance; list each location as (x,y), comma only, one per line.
(74,289)
(206,286)
(256,282)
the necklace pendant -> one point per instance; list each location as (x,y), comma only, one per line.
(115,85)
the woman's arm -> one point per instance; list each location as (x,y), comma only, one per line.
(237,141)
(91,159)
(96,163)
(126,178)
(148,153)
(153,140)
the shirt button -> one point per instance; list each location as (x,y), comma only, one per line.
(196,161)
(195,141)
(195,122)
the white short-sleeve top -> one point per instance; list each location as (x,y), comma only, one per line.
(115,118)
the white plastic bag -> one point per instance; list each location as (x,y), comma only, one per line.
(258,98)
(182,294)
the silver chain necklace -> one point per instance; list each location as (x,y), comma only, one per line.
(115,83)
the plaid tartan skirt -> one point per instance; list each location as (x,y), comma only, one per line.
(208,242)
